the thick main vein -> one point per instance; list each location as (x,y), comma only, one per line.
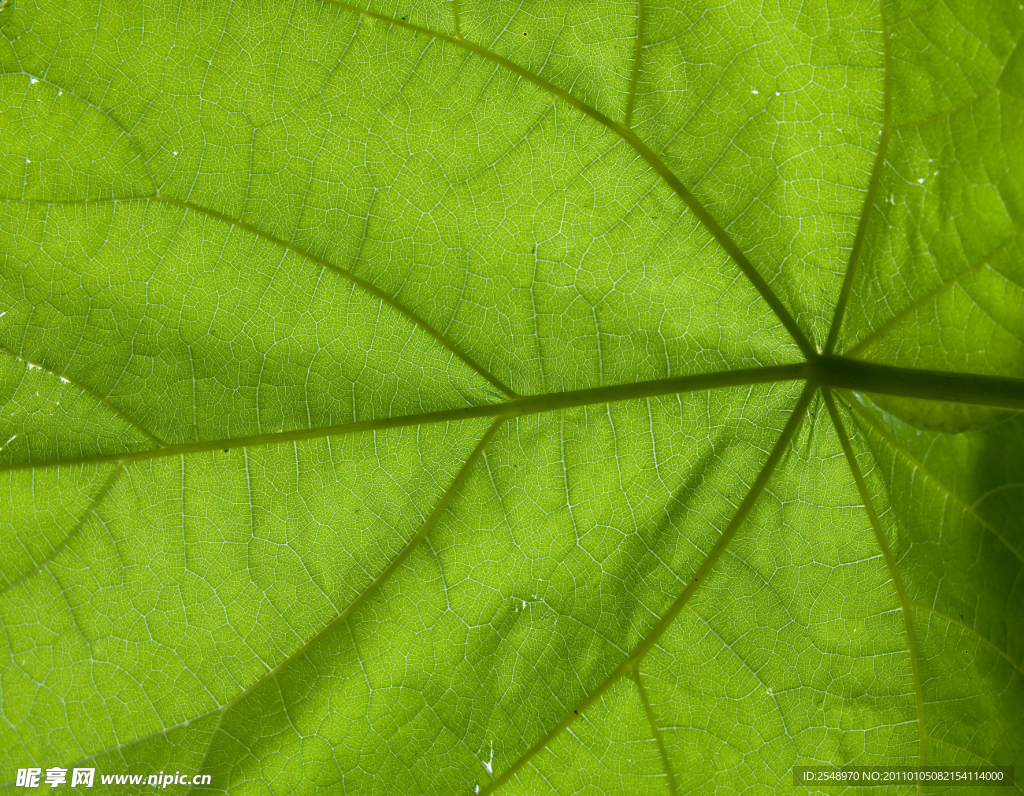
(890,563)
(970,388)
(869,197)
(699,576)
(626,134)
(931,385)
(514,408)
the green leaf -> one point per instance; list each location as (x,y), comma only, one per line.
(480,397)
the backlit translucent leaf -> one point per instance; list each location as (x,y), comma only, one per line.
(494,397)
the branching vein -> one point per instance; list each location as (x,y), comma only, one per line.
(638,48)
(90,392)
(890,563)
(699,576)
(919,466)
(372,588)
(869,197)
(104,490)
(653,160)
(656,732)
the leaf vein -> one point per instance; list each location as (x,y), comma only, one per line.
(919,467)
(89,511)
(638,47)
(90,392)
(656,732)
(869,197)
(890,563)
(988,642)
(699,576)
(652,159)
(931,294)
(515,408)
(344,614)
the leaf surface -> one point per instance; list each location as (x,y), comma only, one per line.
(477,397)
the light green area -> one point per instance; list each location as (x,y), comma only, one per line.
(39,510)
(291,296)
(771,113)
(941,285)
(47,417)
(199,330)
(191,562)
